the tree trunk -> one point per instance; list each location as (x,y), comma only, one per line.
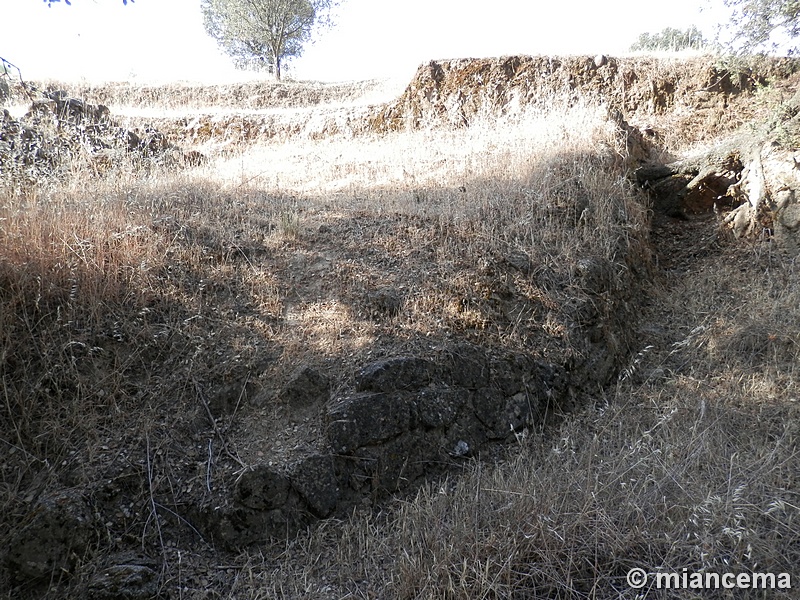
(277,67)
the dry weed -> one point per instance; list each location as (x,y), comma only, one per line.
(126,297)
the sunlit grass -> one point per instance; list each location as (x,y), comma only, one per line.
(122,293)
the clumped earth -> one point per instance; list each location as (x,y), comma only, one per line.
(59,133)
(200,371)
(247,96)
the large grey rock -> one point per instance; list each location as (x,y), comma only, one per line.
(400,373)
(314,479)
(262,488)
(490,409)
(440,407)
(398,462)
(365,419)
(58,533)
(503,416)
(512,373)
(465,436)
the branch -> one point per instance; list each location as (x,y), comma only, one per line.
(6,65)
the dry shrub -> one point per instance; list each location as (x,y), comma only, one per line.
(121,292)
(660,480)
(689,464)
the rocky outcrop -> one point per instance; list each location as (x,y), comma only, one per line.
(708,98)
(693,186)
(458,91)
(58,131)
(252,95)
(769,192)
(405,418)
(56,537)
(751,181)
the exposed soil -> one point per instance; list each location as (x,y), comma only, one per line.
(242,440)
(242,96)
(676,100)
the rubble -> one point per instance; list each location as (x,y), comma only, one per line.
(60,133)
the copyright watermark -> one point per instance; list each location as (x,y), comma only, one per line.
(639,578)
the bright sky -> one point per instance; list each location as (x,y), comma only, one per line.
(156,40)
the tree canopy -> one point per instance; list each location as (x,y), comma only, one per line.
(760,25)
(264,33)
(671,39)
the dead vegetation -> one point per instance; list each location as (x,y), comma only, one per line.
(689,462)
(149,321)
(189,97)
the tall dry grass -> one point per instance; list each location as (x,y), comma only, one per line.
(121,291)
(650,481)
(517,176)
(690,464)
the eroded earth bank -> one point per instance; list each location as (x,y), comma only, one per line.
(205,353)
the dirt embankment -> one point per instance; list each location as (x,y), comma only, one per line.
(746,176)
(705,97)
(662,104)
(224,115)
(396,416)
(247,96)
(676,100)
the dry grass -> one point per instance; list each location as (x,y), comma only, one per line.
(501,174)
(247,96)
(690,463)
(122,296)
(427,212)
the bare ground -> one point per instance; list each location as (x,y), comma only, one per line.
(688,461)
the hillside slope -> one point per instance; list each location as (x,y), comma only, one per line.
(199,364)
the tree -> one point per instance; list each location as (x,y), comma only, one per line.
(264,33)
(671,40)
(759,24)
